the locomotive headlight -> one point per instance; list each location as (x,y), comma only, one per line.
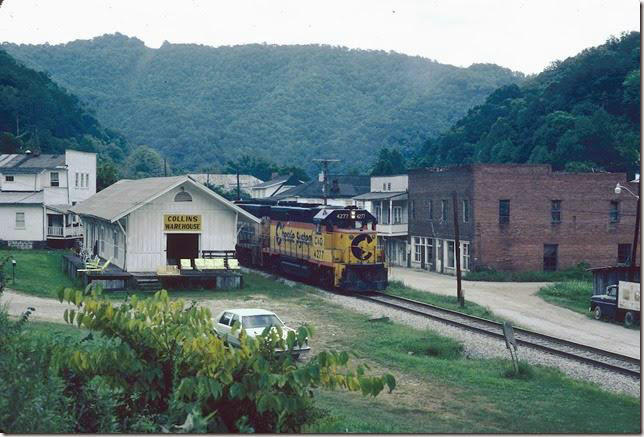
(353,214)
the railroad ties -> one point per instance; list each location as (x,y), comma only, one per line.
(579,352)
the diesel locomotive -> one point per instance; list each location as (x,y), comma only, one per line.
(331,246)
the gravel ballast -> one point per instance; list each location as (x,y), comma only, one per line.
(482,346)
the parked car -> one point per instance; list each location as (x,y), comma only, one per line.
(253,321)
(619,301)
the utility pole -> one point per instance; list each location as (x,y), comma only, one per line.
(457,253)
(631,273)
(238,190)
(325,167)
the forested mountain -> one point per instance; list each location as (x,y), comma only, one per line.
(581,114)
(200,105)
(36,113)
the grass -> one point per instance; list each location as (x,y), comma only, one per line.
(574,295)
(397,288)
(38,272)
(472,395)
(577,273)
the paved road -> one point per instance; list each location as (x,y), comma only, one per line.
(517,302)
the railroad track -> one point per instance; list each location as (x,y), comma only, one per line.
(556,346)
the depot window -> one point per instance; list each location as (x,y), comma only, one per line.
(614,211)
(555,211)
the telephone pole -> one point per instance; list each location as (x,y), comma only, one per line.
(325,169)
(457,253)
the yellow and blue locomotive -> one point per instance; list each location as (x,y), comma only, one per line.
(335,247)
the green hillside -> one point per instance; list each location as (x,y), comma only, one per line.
(36,113)
(200,105)
(580,114)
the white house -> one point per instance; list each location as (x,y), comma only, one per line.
(145,224)
(36,192)
(341,189)
(275,186)
(227,181)
(387,200)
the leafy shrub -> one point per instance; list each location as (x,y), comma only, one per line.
(168,371)
(579,272)
(32,398)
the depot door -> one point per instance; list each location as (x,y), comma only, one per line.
(181,246)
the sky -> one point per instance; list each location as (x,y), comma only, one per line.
(523,35)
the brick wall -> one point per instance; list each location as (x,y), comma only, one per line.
(584,234)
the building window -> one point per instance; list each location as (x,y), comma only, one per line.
(444,208)
(549,257)
(555,211)
(466,210)
(86,180)
(614,211)
(466,256)
(388,186)
(53,178)
(76,179)
(450,254)
(430,209)
(397,215)
(417,250)
(429,243)
(20,220)
(504,212)
(8,178)
(183,196)
(623,253)
(384,187)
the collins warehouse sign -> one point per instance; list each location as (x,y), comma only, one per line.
(181,222)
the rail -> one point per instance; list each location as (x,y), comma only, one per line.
(579,352)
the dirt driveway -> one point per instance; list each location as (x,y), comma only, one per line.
(517,302)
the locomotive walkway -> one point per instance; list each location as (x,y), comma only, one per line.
(518,302)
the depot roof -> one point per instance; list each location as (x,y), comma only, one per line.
(126,196)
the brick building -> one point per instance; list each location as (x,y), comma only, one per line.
(519,217)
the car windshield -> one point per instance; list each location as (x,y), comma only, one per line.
(261,321)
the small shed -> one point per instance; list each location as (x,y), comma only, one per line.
(611,275)
(147,224)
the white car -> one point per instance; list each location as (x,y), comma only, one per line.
(253,321)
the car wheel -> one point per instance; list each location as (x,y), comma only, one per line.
(629,319)
(597,313)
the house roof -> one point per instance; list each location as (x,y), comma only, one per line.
(126,196)
(338,185)
(287,180)
(33,162)
(21,198)
(374,195)
(226,180)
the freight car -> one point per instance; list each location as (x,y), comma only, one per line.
(334,247)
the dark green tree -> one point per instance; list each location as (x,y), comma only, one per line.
(144,162)
(389,162)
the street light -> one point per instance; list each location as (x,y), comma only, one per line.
(618,190)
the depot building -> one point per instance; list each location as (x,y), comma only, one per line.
(142,225)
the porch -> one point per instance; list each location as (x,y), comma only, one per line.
(113,278)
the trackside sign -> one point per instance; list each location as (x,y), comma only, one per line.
(182,223)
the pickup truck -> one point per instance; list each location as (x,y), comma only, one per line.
(620,302)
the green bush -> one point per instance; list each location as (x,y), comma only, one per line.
(574,295)
(32,398)
(168,371)
(580,273)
